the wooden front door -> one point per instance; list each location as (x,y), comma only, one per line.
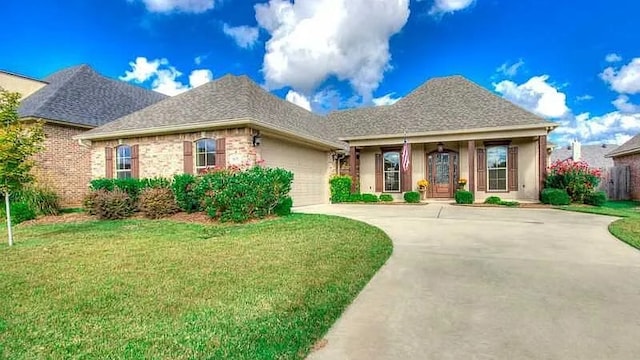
(442,173)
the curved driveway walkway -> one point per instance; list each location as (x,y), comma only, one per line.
(491,283)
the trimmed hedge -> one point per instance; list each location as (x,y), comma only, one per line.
(555,197)
(357,197)
(370,198)
(386,198)
(340,189)
(185,190)
(412,197)
(112,205)
(495,200)
(284,207)
(596,198)
(156,203)
(463,197)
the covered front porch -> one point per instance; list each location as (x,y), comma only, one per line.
(511,167)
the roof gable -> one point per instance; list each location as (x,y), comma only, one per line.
(594,155)
(629,147)
(440,104)
(79,95)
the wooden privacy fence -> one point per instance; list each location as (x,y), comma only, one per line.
(617,183)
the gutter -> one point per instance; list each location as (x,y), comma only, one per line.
(169,129)
(548,126)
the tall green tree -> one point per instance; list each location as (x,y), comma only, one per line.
(19,141)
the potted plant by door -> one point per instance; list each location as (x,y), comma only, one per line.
(423,184)
(461,183)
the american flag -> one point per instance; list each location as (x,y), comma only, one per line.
(405,155)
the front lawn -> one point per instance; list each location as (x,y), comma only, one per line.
(159,289)
(627,229)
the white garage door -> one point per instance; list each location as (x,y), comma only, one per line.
(309,167)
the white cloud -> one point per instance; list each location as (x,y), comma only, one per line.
(312,40)
(200,77)
(244,36)
(187,6)
(385,100)
(449,6)
(613,58)
(623,104)
(142,69)
(584,97)
(613,127)
(510,70)
(199,59)
(535,95)
(164,77)
(625,80)
(298,99)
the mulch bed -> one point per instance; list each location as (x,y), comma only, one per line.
(199,218)
(521,205)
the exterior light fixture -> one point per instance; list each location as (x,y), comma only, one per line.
(257,139)
(440,147)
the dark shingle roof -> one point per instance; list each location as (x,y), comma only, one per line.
(81,96)
(227,98)
(594,155)
(440,104)
(631,146)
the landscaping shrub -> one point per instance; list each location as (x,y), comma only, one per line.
(596,198)
(412,197)
(242,195)
(284,208)
(20,212)
(89,201)
(555,197)
(357,197)
(575,177)
(111,205)
(463,197)
(187,194)
(156,182)
(370,198)
(509,203)
(156,203)
(495,200)
(133,187)
(386,197)
(42,200)
(101,184)
(340,188)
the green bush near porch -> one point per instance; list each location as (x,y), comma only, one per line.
(553,196)
(370,198)
(463,197)
(386,198)
(412,197)
(340,188)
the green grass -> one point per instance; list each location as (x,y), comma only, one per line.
(627,229)
(158,289)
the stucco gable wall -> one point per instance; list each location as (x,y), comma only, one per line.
(22,85)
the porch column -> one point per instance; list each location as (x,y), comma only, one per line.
(542,152)
(471,149)
(352,168)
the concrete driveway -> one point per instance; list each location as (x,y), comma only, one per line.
(491,283)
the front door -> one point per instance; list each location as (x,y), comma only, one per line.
(442,173)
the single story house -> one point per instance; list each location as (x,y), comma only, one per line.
(628,155)
(456,129)
(70,102)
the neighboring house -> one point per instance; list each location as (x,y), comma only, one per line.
(628,155)
(594,155)
(70,102)
(456,129)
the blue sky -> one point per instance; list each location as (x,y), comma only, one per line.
(573,62)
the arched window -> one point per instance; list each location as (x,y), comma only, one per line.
(205,154)
(123,162)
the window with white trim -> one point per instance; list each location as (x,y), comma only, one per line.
(123,162)
(391,171)
(205,154)
(497,168)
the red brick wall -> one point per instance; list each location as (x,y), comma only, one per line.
(64,165)
(633,161)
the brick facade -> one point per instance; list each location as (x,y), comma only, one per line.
(64,164)
(633,161)
(162,155)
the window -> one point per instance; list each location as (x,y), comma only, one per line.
(391,170)
(497,168)
(205,154)
(123,162)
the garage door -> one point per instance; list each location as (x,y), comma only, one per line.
(309,167)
